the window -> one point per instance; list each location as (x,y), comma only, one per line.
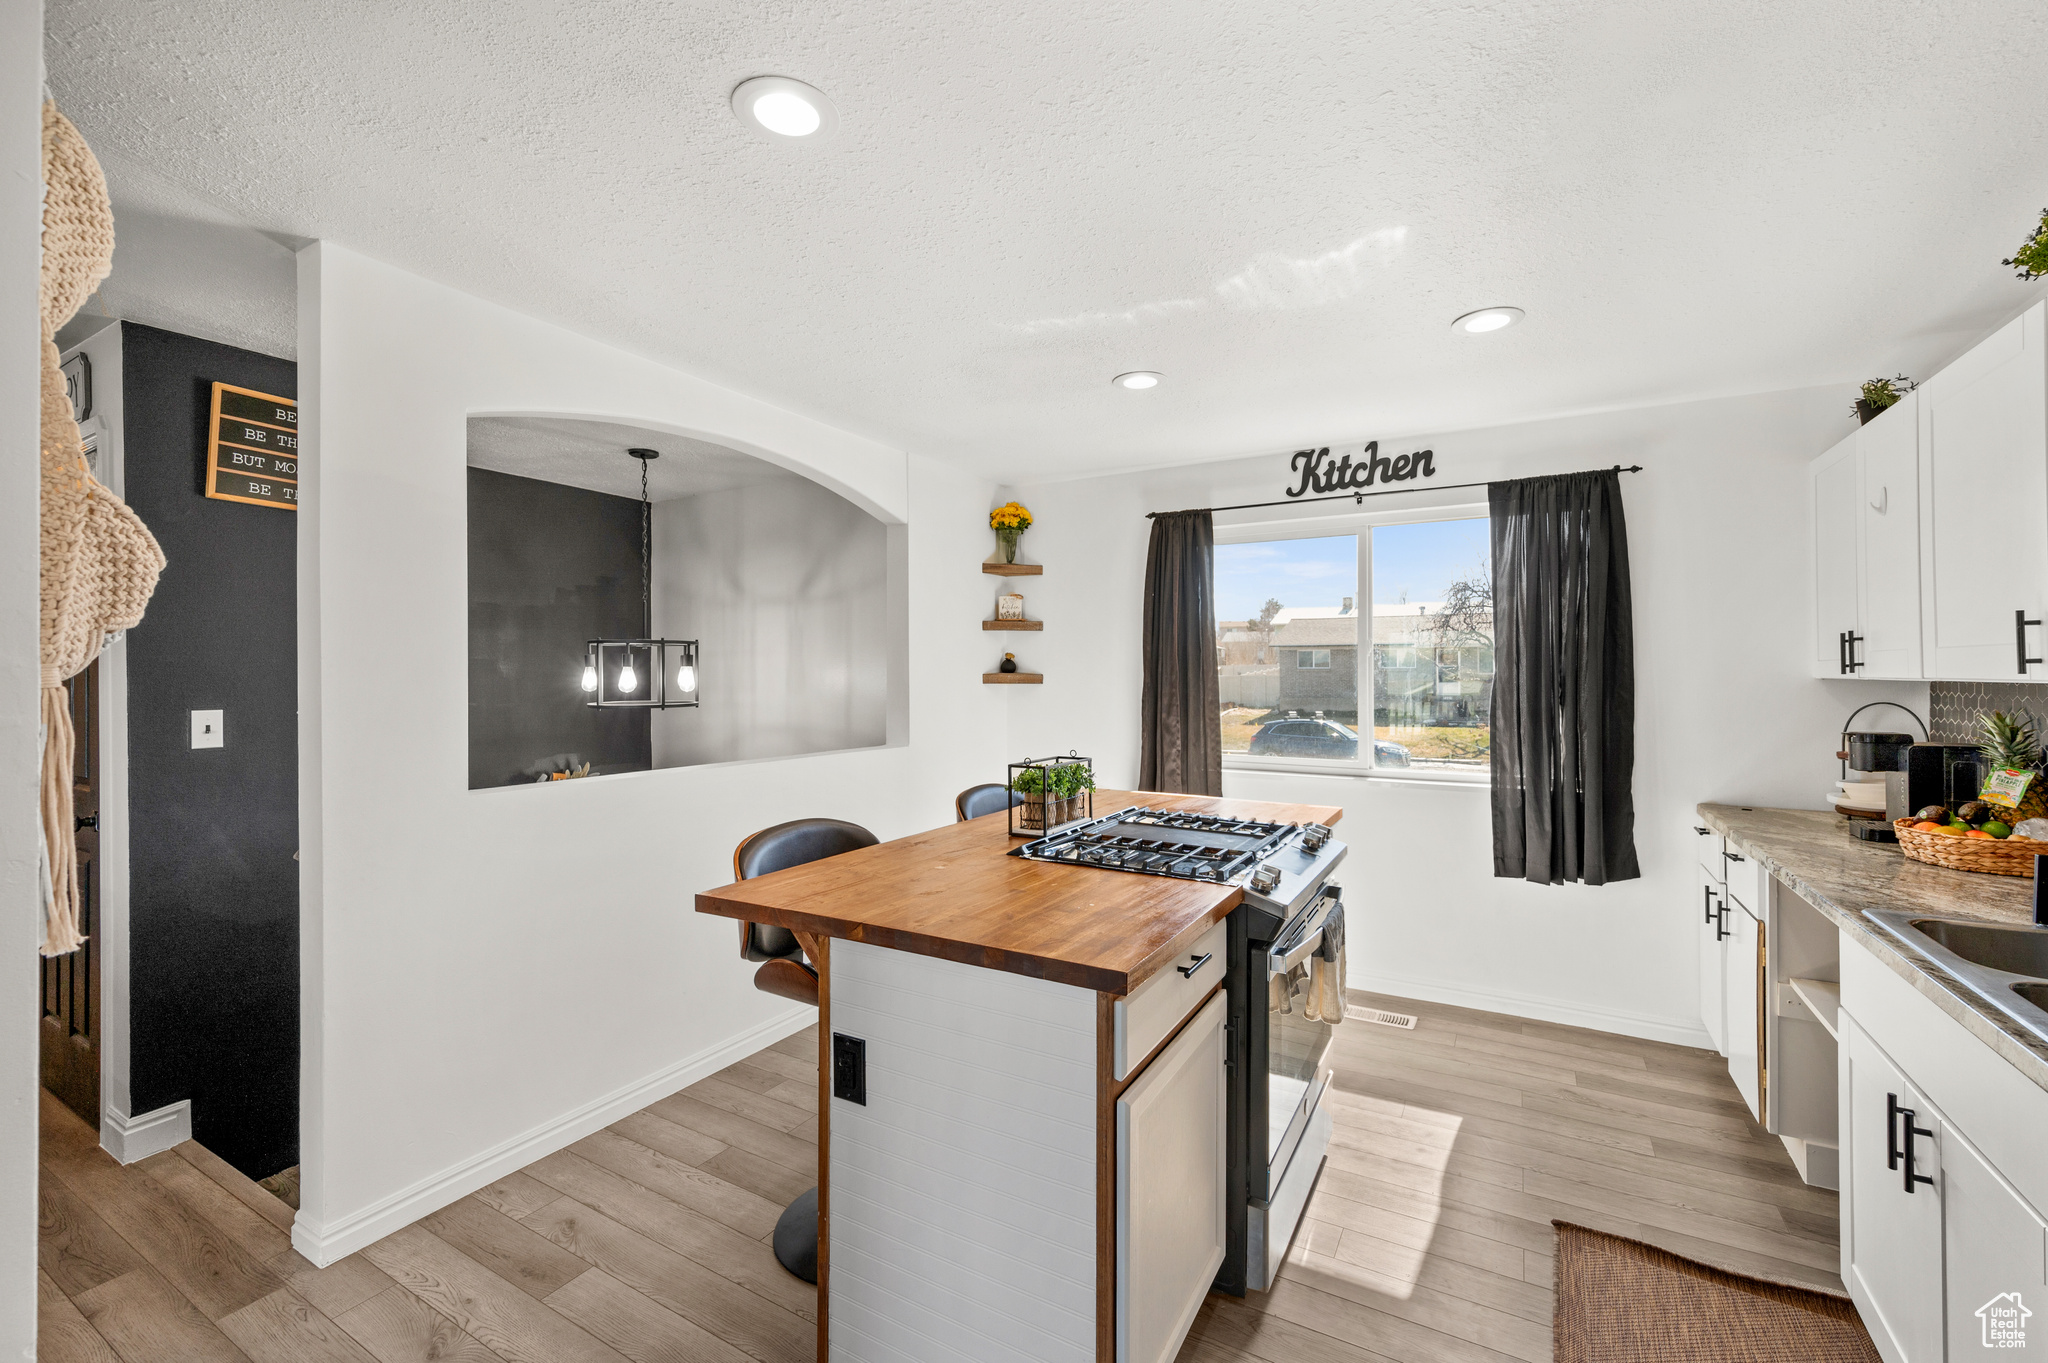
(1289,624)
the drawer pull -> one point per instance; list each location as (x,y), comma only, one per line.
(1188,971)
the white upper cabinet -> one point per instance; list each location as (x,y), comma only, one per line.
(1866,550)
(1836,488)
(1984,508)
(1888,515)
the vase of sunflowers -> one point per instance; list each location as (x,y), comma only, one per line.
(1009,521)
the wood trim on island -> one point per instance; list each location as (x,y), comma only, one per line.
(953,893)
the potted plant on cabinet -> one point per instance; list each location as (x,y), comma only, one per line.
(1879,394)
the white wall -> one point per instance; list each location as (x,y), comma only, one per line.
(488,975)
(785,586)
(21,179)
(1725,711)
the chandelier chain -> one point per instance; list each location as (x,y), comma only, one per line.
(646,518)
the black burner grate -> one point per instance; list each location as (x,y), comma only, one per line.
(1162,843)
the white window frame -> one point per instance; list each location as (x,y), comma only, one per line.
(1254,527)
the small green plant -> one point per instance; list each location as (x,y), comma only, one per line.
(1879,394)
(2031,260)
(1070,779)
(1030,781)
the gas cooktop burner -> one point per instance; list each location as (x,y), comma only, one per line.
(1162,842)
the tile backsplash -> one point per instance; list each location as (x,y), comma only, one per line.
(1953,707)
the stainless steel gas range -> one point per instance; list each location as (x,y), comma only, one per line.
(1279,1124)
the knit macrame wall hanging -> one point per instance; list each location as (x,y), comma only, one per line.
(99,562)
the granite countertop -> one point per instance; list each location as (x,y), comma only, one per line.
(1814,854)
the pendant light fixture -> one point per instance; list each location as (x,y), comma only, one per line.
(644,673)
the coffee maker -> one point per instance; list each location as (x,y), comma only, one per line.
(1915,775)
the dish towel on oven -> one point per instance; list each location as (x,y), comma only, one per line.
(1324,1001)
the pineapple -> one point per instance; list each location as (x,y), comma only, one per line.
(2010,741)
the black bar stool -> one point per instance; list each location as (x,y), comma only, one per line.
(784,972)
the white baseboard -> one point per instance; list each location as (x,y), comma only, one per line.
(129,1139)
(323,1244)
(1645,1026)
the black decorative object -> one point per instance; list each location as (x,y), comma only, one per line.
(610,675)
(1051,791)
(1008,664)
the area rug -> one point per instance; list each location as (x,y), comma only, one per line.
(1622,1301)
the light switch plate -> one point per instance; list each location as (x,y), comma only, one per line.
(209,729)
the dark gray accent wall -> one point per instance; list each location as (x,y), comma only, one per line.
(214,892)
(550,568)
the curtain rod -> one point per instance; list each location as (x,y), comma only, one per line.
(1361,496)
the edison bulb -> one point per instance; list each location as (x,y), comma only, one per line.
(589,678)
(686,678)
(627,678)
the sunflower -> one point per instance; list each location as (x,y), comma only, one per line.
(1010,516)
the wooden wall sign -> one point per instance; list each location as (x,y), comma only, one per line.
(252,448)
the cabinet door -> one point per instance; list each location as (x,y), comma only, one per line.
(1984,508)
(1895,1236)
(1170,1190)
(1997,1255)
(1744,946)
(1835,491)
(1710,907)
(1888,451)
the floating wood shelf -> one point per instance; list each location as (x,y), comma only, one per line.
(1013,624)
(1012,678)
(1013,569)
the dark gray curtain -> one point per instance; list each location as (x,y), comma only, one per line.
(1183,745)
(1564,686)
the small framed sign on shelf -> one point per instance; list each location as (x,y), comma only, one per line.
(252,448)
(1010,606)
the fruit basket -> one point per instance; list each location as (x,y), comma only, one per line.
(2012,856)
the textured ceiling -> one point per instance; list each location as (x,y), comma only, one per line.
(592,454)
(1282,208)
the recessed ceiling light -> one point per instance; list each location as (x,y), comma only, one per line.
(1487,319)
(1137,378)
(784,110)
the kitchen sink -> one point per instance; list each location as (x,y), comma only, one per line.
(2011,950)
(2004,965)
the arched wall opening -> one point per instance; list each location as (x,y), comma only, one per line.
(782,581)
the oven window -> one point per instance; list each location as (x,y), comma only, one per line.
(1295,1049)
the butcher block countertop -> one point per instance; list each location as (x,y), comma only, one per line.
(954,893)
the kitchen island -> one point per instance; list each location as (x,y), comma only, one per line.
(1020,1022)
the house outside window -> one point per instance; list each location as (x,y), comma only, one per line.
(1295,692)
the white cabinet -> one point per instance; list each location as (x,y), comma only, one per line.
(1984,508)
(1170,1223)
(1997,1250)
(1893,1232)
(1744,946)
(1866,557)
(1711,904)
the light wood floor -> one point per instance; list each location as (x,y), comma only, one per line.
(1428,1236)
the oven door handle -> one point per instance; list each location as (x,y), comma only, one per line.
(1284,958)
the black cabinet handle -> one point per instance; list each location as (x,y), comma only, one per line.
(1703,832)
(1187,972)
(2019,639)
(1891,1131)
(1708,892)
(1721,922)
(1842,652)
(1853,639)
(1732,856)
(1908,1130)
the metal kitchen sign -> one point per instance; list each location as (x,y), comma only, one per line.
(1316,471)
(252,448)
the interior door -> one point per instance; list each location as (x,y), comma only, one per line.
(1984,503)
(1895,1247)
(1710,903)
(1888,451)
(1835,500)
(1170,1222)
(1745,954)
(70,1034)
